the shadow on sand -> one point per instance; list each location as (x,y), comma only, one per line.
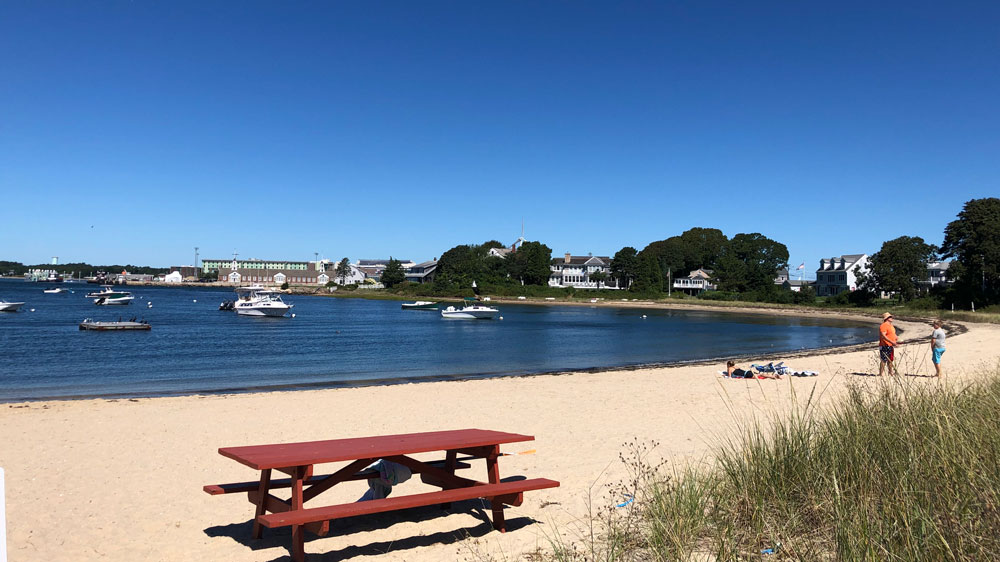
(281,538)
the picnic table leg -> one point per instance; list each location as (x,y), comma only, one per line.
(298,531)
(493,472)
(262,491)
(450,463)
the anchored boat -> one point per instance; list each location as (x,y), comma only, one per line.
(258,301)
(420,305)
(89,324)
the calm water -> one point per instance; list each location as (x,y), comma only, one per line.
(193,347)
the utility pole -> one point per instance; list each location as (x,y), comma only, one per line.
(669,284)
(196,258)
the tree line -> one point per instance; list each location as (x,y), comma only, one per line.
(744,267)
(83,269)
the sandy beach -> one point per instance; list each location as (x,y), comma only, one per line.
(121,480)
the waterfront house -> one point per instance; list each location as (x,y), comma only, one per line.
(837,275)
(937,274)
(576,271)
(423,272)
(698,281)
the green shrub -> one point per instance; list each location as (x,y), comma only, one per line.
(897,472)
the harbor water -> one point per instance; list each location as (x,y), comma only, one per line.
(196,348)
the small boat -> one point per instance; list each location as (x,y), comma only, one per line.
(258,301)
(471,311)
(89,324)
(10,306)
(419,305)
(54,290)
(109,296)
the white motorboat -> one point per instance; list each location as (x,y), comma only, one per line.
(109,296)
(55,290)
(10,306)
(258,301)
(471,312)
(420,305)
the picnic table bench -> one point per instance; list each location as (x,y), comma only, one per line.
(298,460)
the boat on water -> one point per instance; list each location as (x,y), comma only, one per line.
(120,325)
(258,301)
(10,306)
(109,296)
(419,305)
(52,277)
(54,290)
(471,311)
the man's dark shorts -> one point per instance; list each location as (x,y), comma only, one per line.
(886,352)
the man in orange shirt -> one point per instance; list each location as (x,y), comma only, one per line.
(886,345)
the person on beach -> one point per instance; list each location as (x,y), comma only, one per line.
(735,372)
(887,343)
(937,346)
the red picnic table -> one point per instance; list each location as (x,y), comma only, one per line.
(298,459)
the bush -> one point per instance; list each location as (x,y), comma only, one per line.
(284,286)
(719,296)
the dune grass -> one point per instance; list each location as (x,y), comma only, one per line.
(898,470)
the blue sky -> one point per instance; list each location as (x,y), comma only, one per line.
(131,132)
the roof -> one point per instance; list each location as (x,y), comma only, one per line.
(583,260)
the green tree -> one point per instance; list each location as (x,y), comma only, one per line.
(463,264)
(599,277)
(695,248)
(393,274)
(898,266)
(974,240)
(749,263)
(648,278)
(529,264)
(624,266)
(343,270)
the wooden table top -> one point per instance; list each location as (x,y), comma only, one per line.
(284,455)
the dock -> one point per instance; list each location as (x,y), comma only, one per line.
(113,326)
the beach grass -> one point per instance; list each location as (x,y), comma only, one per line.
(896,470)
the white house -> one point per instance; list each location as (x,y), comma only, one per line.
(696,282)
(173,277)
(937,274)
(837,275)
(575,271)
(234,277)
(356,277)
(280,278)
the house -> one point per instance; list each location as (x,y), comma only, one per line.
(698,281)
(796,285)
(355,277)
(423,272)
(837,275)
(373,268)
(937,274)
(576,271)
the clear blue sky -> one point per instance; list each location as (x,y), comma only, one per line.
(135,131)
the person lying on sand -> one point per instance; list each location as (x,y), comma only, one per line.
(735,372)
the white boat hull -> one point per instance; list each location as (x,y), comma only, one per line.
(262,309)
(470,313)
(105,301)
(10,306)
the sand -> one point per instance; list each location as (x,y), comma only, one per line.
(121,480)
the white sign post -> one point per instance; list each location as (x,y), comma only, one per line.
(3,521)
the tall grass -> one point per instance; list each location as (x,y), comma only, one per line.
(896,471)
